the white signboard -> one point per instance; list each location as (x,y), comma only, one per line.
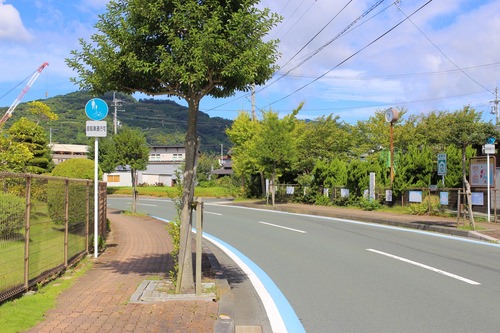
(478,198)
(388,195)
(479,173)
(415,196)
(443,198)
(96,129)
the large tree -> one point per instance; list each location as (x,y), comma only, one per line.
(33,137)
(464,128)
(275,146)
(131,149)
(184,48)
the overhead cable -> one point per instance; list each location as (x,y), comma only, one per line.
(352,55)
(444,54)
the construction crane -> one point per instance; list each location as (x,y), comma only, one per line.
(32,80)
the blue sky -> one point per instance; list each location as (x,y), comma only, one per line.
(446,56)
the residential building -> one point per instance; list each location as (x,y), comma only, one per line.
(63,152)
(164,162)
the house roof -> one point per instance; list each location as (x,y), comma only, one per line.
(222,172)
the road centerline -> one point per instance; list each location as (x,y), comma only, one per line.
(433,269)
(212,213)
(282,227)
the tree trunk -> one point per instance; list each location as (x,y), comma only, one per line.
(133,174)
(263,183)
(185,281)
(467,190)
(273,188)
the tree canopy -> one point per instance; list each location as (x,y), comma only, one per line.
(184,48)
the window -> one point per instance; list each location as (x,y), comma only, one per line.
(178,157)
(113,178)
(155,157)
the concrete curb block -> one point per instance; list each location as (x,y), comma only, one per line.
(224,322)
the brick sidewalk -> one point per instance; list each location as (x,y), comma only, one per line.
(138,248)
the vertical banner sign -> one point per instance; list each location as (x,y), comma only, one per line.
(96,109)
(441,164)
(372,185)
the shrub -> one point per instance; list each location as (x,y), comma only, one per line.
(11,213)
(368,204)
(429,206)
(56,194)
(81,168)
(322,200)
(343,201)
(77,200)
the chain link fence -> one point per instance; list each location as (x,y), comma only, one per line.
(46,225)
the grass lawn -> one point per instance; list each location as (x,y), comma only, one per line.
(25,312)
(46,249)
(172,192)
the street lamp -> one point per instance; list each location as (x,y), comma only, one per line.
(391,116)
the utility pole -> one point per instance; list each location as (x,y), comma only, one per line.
(494,107)
(254,117)
(116,104)
(222,155)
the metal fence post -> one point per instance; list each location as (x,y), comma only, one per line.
(87,215)
(66,222)
(27,233)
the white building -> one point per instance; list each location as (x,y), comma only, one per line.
(63,152)
(163,163)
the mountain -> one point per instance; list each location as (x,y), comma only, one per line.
(163,122)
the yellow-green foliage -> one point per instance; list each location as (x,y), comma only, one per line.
(81,168)
(429,206)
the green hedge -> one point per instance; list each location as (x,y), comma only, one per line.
(11,213)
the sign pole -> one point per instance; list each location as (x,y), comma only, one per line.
(488,180)
(96,109)
(96,197)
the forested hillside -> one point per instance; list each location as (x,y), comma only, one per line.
(163,122)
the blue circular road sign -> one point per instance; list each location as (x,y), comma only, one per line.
(96,109)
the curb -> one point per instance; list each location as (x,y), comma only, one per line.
(378,220)
(224,322)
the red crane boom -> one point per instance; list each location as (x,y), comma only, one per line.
(32,80)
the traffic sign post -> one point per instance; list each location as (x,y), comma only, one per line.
(96,109)
(441,161)
(489,148)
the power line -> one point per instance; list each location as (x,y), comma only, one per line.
(316,35)
(293,13)
(340,34)
(444,54)
(351,56)
(401,75)
(344,31)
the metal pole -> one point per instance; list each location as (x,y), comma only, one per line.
(488,180)
(96,197)
(392,153)
(222,154)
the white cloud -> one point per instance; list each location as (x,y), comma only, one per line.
(11,25)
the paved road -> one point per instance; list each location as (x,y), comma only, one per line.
(341,276)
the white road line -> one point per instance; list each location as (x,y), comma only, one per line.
(212,213)
(282,227)
(454,276)
(143,204)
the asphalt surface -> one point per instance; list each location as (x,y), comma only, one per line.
(138,249)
